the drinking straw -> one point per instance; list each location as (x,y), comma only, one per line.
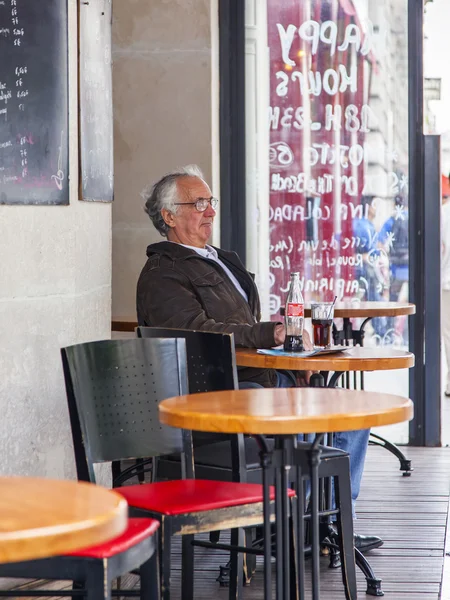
(331,307)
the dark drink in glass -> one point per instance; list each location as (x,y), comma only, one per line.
(293,343)
(322,332)
(322,321)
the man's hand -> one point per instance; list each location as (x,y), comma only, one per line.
(307,343)
(302,377)
(279,334)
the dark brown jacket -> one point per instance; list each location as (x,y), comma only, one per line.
(178,288)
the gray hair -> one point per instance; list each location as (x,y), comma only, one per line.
(164,194)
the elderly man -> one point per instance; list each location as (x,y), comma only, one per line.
(188,284)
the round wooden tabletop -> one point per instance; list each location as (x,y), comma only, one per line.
(284,410)
(46,517)
(353,308)
(355,358)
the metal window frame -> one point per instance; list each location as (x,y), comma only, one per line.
(416,215)
(432,291)
(232,126)
(424,263)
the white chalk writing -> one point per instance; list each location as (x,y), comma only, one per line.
(311,32)
(280,155)
(10,178)
(351,119)
(299,212)
(5,96)
(331,81)
(59,177)
(323,184)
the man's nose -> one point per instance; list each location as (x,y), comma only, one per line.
(209,212)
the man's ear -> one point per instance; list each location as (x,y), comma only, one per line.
(168,217)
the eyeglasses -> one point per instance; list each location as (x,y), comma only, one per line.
(201,204)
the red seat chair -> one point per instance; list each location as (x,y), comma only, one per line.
(93,569)
(113,389)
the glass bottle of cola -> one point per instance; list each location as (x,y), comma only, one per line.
(294,316)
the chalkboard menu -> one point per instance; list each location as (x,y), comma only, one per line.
(33,102)
(96,111)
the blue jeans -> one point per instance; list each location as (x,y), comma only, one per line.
(353,442)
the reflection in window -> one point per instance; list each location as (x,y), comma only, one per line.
(339,152)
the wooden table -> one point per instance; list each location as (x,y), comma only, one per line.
(46,517)
(349,336)
(283,412)
(353,359)
(354,309)
(367,311)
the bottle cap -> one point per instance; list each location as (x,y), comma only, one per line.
(296,274)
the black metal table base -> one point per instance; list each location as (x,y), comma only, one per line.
(279,472)
(285,539)
(343,337)
(373,582)
(405,463)
(289,525)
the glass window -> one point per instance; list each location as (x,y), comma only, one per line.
(338,154)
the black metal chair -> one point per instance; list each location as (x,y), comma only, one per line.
(93,569)
(212,366)
(218,372)
(113,389)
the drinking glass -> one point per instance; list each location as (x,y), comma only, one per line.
(322,320)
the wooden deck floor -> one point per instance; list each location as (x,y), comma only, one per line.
(410,514)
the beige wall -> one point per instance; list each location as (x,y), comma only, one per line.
(162,117)
(55,289)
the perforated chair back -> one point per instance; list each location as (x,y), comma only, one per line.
(113,389)
(211,365)
(211,357)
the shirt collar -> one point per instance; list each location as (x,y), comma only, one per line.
(206,252)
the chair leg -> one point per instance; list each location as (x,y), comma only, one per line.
(343,495)
(150,586)
(293,569)
(98,582)
(164,558)
(140,470)
(187,568)
(236,566)
(299,524)
(115,471)
(249,559)
(78,585)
